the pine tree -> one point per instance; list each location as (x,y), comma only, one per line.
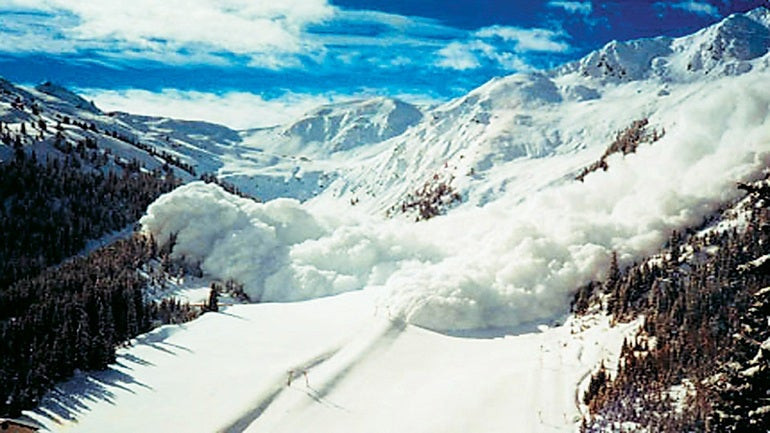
(745,394)
(213,302)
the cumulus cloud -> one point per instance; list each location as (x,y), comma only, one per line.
(693,6)
(238,110)
(574,7)
(460,56)
(501,265)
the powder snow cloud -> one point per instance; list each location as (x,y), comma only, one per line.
(509,262)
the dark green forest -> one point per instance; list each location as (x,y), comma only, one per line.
(52,208)
(59,313)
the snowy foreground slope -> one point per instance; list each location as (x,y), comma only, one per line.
(433,326)
(354,370)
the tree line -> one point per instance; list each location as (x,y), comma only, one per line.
(50,209)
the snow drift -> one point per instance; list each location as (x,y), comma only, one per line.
(510,262)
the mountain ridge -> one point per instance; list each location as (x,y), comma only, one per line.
(498,122)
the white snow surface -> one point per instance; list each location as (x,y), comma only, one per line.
(352,369)
(339,127)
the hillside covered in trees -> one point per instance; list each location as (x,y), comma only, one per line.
(52,207)
(701,360)
(59,314)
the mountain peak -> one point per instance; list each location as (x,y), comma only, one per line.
(65,95)
(737,38)
(760,14)
(724,48)
(343,126)
(620,61)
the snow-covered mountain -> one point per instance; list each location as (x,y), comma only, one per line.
(52,121)
(378,151)
(666,126)
(725,48)
(300,159)
(481,140)
(343,126)
(511,148)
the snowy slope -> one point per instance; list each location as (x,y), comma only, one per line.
(302,158)
(339,127)
(353,370)
(297,160)
(207,374)
(199,147)
(61,112)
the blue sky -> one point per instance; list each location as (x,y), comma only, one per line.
(258,62)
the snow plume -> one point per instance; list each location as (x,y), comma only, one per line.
(517,262)
(229,236)
(514,261)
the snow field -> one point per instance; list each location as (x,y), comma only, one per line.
(204,376)
(352,369)
(422,381)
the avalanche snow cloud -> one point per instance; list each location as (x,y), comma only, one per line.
(510,262)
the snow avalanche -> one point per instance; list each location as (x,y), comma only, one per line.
(510,262)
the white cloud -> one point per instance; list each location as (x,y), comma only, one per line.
(502,46)
(241,27)
(460,56)
(526,39)
(405,25)
(239,110)
(574,7)
(265,34)
(259,34)
(696,7)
